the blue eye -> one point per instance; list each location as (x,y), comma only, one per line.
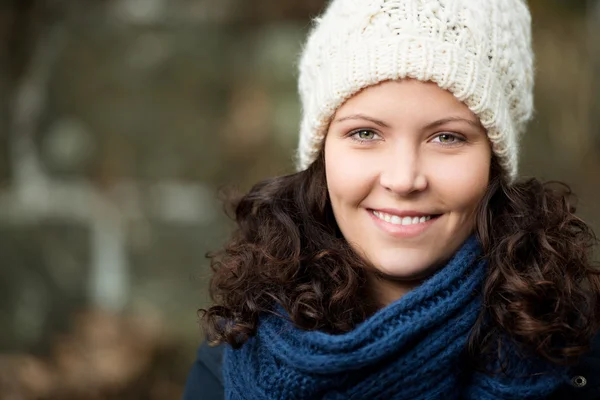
(448,138)
(364,135)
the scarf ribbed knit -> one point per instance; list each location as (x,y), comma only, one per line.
(411,349)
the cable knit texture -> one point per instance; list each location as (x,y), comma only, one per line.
(411,349)
(479,50)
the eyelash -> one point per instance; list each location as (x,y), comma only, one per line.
(354,136)
(458,139)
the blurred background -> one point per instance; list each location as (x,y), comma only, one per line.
(120,120)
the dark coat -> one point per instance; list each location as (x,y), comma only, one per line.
(205,381)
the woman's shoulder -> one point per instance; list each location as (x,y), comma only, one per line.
(585,377)
(205,379)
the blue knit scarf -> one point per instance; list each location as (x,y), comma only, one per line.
(411,349)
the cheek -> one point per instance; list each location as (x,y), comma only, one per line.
(462,182)
(347,179)
(335,165)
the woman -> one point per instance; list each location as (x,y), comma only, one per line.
(405,260)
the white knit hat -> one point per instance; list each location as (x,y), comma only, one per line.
(479,50)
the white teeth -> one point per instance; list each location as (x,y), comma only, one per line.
(396,220)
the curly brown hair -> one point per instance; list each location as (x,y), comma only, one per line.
(542,288)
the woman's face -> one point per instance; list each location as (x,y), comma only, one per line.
(406,165)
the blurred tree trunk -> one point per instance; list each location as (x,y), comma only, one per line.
(17,27)
(31,38)
(593,23)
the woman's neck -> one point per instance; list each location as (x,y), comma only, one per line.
(385,291)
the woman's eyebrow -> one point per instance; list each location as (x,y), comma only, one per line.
(443,121)
(430,125)
(363,117)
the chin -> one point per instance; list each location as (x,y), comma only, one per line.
(408,269)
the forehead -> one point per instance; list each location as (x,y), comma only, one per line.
(408,97)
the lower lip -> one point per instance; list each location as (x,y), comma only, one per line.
(402,231)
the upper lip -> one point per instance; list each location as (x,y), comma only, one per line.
(403,213)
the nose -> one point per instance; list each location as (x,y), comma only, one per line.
(402,173)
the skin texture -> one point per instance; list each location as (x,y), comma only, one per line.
(405,146)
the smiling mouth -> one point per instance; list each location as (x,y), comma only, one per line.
(397,220)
